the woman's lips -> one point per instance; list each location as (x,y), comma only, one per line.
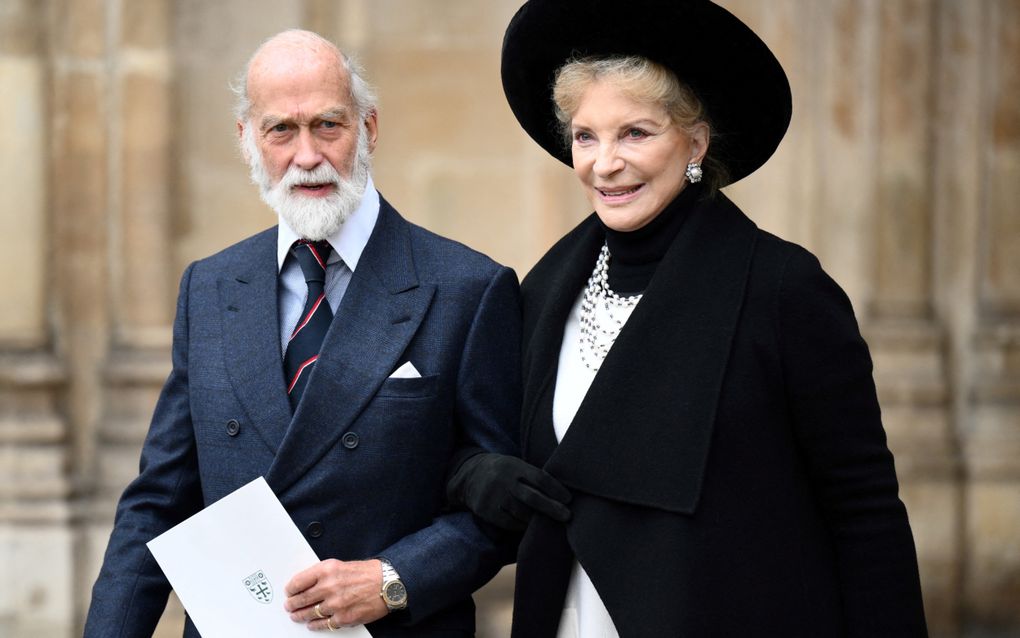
(619,194)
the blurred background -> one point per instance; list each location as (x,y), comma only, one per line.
(901,171)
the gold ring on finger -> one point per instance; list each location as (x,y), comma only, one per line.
(318,611)
(329,623)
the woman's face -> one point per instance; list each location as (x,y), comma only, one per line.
(629,156)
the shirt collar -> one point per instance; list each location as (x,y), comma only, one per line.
(348,241)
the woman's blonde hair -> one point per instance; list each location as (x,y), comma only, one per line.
(641,80)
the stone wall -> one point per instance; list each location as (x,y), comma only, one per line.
(901,171)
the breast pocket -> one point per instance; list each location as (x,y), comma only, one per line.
(410,388)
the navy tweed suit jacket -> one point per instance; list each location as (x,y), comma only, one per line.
(361,465)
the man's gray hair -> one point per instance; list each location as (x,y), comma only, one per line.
(362,95)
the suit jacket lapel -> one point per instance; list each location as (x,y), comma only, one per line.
(379,314)
(251,339)
(642,433)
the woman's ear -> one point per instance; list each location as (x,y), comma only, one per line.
(699,134)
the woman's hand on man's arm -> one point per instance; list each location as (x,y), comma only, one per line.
(506,491)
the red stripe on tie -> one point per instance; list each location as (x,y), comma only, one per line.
(315,254)
(311,313)
(301,369)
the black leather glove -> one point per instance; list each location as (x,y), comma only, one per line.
(505,491)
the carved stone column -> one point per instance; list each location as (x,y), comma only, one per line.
(35,543)
(907,339)
(991,434)
(139,268)
(79,123)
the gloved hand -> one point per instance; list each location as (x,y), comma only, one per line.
(505,491)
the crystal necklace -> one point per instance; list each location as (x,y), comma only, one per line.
(596,340)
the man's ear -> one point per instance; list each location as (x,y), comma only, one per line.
(372,128)
(240,141)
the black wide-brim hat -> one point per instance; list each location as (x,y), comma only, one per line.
(740,82)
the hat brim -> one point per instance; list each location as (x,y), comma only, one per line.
(732,71)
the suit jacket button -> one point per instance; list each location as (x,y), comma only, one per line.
(233,427)
(314,529)
(350,440)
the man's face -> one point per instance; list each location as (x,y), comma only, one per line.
(302,116)
(307,148)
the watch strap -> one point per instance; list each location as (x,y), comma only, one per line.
(388,571)
(391,578)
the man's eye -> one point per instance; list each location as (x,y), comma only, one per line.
(328,124)
(279,128)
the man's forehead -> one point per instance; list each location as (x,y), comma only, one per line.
(283,62)
(305,90)
(274,77)
(287,55)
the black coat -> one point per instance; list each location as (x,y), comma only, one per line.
(729,468)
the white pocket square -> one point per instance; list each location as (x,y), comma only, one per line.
(406,371)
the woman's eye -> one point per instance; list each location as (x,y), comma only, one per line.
(582,136)
(636,134)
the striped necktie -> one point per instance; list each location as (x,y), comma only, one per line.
(305,341)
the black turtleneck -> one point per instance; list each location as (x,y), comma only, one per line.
(635,255)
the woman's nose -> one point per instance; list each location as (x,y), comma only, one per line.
(608,160)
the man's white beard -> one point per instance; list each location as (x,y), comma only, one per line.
(314,218)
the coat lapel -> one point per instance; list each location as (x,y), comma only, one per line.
(643,432)
(251,339)
(556,289)
(379,314)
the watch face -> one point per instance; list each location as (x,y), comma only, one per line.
(395,593)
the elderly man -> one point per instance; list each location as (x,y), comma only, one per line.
(348,356)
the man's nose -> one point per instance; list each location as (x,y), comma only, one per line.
(307,155)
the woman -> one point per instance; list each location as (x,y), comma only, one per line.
(697,391)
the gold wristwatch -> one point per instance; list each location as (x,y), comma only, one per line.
(393,593)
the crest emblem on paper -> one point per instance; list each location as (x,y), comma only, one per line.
(259,587)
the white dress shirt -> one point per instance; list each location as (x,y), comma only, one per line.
(348,243)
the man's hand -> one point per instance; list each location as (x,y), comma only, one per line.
(346,593)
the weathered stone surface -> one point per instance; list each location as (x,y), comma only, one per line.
(79,27)
(146,23)
(37,594)
(934,507)
(1001,289)
(902,212)
(23,155)
(20,32)
(992,572)
(145,295)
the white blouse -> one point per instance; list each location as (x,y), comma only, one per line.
(584,613)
